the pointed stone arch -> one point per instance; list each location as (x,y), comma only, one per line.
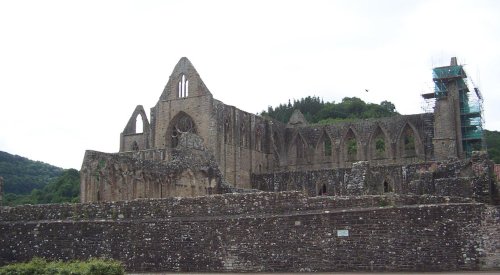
(379,146)
(324,146)
(131,127)
(298,147)
(181,123)
(193,85)
(183,86)
(137,130)
(409,143)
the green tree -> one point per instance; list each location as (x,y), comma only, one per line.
(492,139)
(315,110)
(65,188)
(22,175)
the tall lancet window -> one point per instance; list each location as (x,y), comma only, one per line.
(183,87)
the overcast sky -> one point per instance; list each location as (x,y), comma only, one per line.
(72,72)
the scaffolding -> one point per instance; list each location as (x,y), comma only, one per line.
(470,100)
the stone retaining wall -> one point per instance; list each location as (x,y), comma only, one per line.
(255,232)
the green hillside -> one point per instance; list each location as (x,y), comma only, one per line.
(32,182)
(65,188)
(21,175)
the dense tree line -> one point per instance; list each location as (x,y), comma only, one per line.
(21,175)
(315,110)
(493,144)
(65,188)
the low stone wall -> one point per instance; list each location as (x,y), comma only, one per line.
(472,178)
(284,232)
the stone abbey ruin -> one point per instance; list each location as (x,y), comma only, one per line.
(196,145)
(206,187)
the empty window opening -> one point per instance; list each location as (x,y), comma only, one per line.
(327,146)
(379,147)
(301,147)
(139,125)
(351,146)
(387,187)
(183,90)
(135,146)
(322,190)
(182,124)
(352,149)
(409,148)
(409,144)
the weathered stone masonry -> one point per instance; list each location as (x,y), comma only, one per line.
(261,232)
(257,152)
(471,178)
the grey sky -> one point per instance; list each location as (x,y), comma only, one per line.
(72,72)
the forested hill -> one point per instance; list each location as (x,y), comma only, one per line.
(33,182)
(315,110)
(22,175)
(493,143)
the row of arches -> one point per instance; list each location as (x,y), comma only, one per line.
(350,148)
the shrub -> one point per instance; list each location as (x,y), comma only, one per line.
(38,266)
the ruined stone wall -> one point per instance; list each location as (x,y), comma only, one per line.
(260,232)
(391,131)
(360,179)
(497,171)
(490,238)
(190,171)
(471,178)
(445,141)
(133,139)
(244,143)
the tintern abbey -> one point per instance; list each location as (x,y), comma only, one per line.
(196,145)
(206,187)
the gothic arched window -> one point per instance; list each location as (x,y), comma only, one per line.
(183,90)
